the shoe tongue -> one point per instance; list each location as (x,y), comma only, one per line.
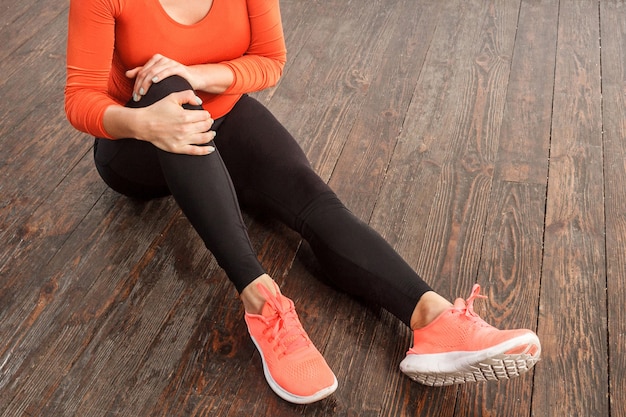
(460,304)
(268,310)
(274,305)
(293,338)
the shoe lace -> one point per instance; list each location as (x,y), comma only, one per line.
(284,327)
(469,303)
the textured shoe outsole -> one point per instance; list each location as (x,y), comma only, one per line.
(497,368)
(505,361)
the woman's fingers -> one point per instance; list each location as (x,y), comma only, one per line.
(200,144)
(142,76)
(178,130)
(156,69)
(186,97)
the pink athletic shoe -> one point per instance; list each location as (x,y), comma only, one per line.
(459,346)
(293,367)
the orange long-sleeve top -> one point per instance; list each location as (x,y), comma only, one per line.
(108,37)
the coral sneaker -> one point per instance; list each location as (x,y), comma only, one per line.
(293,367)
(459,346)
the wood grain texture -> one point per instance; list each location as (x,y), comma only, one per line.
(483,139)
(613,125)
(512,249)
(572,319)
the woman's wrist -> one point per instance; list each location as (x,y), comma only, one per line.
(124,122)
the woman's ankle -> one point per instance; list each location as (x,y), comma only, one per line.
(253,300)
(428,308)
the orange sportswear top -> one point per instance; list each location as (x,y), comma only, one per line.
(108,37)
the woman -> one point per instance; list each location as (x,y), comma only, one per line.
(162,86)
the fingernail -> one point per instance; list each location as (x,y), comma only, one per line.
(213,134)
(155,79)
(142,91)
(211,149)
(198,100)
(135,97)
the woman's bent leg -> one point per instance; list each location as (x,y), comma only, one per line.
(200,185)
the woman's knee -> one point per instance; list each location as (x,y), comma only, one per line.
(162,89)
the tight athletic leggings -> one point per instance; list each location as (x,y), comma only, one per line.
(258,163)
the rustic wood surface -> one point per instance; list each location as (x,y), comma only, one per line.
(485,140)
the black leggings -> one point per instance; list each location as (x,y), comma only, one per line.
(260,164)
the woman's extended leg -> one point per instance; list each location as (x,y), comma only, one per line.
(271,173)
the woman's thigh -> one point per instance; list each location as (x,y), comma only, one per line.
(269,169)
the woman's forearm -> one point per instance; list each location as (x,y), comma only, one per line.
(211,78)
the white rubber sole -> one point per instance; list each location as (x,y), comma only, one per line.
(288,396)
(492,364)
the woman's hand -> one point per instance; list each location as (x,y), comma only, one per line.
(166,124)
(170,127)
(158,68)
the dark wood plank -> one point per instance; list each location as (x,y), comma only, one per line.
(613,25)
(572,319)
(524,146)
(510,267)
(39,150)
(166,315)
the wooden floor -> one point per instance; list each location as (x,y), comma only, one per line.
(485,139)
